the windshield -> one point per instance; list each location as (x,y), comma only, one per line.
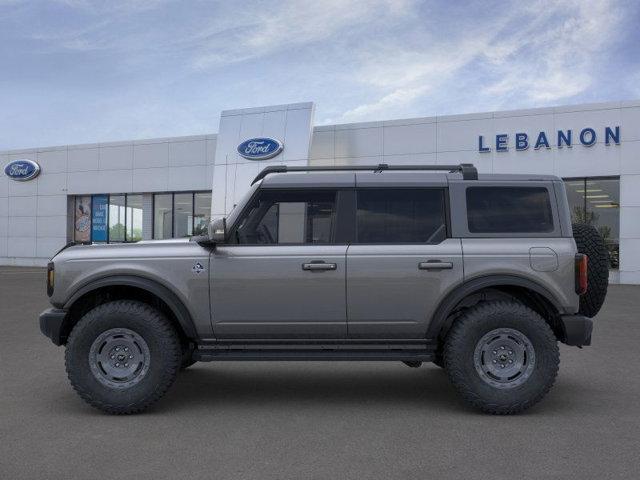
(237,208)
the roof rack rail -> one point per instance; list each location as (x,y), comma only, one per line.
(469,172)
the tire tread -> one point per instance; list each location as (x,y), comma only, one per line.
(164,330)
(459,334)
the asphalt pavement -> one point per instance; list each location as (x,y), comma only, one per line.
(317,420)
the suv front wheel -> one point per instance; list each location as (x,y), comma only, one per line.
(122,356)
(501,356)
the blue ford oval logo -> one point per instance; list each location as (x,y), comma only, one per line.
(22,170)
(260,148)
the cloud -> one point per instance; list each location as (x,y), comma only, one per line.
(542,52)
(555,63)
(101,70)
(258,32)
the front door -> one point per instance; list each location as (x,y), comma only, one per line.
(401,263)
(281,275)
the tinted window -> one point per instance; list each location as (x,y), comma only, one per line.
(401,216)
(296,217)
(509,210)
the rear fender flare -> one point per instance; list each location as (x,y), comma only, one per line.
(446,306)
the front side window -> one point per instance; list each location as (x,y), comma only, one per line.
(509,210)
(288,217)
(400,216)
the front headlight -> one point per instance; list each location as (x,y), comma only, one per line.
(51,276)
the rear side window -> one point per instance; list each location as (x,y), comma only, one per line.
(401,216)
(509,210)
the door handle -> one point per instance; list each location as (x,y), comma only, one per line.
(435,265)
(319,266)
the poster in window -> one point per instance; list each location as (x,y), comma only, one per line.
(99,210)
(82,223)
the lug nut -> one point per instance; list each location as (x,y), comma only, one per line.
(126,364)
(126,349)
(510,361)
(495,361)
(130,356)
(117,364)
(117,348)
(495,352)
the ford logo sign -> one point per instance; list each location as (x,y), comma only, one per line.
(22,170)
(260,148)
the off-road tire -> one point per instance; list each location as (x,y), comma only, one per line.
(590,242)
(165,355)
(467,332)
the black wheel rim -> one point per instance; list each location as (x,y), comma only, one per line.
(119,358)
(504,358)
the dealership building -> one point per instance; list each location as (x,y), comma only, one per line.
(170,187)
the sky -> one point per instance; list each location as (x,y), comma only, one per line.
(80,71)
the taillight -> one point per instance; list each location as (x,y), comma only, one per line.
(50,278)
(581,273)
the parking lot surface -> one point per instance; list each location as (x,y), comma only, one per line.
(317,420)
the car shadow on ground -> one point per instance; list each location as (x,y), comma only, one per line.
(251,386)
(310,384)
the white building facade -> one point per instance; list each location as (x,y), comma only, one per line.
(170,187)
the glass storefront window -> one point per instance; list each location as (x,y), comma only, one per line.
(201,212)
(82,220)
(182,214)
(99,216)
(162,215)
(596,202)
(117,218)
(134,218)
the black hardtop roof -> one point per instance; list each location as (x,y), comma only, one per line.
(461,172)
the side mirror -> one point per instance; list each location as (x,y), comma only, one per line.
(218,230)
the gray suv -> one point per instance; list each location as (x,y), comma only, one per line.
(480,274)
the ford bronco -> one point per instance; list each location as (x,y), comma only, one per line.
(481,274)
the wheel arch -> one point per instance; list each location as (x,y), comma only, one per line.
(132,287)
(528,291)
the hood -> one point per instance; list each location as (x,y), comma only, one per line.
(145,248)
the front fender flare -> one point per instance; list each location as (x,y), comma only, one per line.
(165,294)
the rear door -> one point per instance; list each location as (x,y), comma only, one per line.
(401,262)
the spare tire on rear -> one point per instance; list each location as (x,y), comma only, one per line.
(590,242)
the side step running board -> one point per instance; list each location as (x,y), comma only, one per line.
(306,351)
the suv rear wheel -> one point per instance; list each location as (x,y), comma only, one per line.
(122,356)
(502,357)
